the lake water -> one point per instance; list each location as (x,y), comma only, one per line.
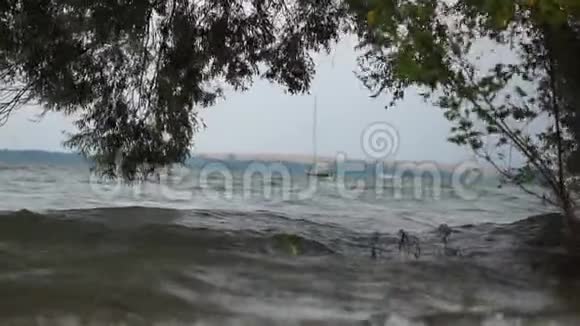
(76,250)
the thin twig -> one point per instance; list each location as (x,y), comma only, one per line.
(519,184)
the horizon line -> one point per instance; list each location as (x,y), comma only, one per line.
(264,156)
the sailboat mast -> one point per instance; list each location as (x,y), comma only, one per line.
(314,126)
(510,158)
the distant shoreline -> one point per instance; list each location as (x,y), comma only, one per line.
(43,156)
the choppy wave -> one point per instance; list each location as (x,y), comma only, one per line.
(153,227)
(141,266)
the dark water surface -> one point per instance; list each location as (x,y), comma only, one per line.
(77,258)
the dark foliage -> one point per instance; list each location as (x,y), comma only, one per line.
(435,47)
(134,73)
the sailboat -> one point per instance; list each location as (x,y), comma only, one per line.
(318,169)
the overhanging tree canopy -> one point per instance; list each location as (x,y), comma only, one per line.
(135,72)
(433,45)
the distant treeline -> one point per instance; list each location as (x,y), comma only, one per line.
(61,158)
(39,157)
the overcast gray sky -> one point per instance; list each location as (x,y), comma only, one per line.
(265,120)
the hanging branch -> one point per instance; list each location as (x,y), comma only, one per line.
(536,160)
(509,176)
(162,47)
(11,99)
(144,56)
